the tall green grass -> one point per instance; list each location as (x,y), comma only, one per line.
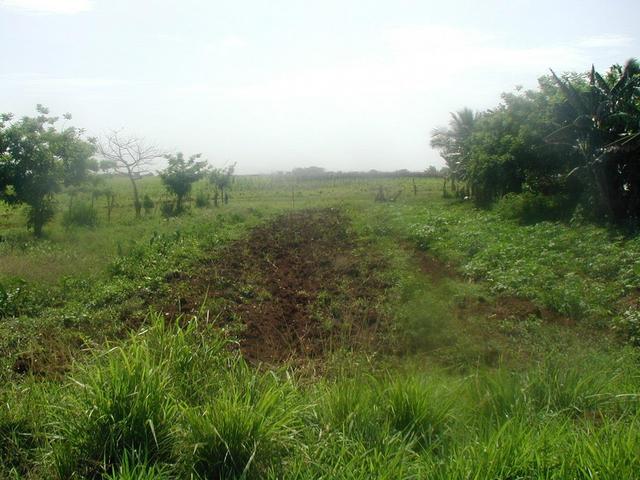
(123,406)
(178,402)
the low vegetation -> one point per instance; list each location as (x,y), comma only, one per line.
(431,339)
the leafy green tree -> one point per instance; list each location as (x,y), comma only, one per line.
(181,174)
(504,150)
(222,178)
(37,159)
(507,152)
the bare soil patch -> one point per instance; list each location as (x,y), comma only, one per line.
(294,287)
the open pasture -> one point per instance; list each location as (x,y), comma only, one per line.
(304,330)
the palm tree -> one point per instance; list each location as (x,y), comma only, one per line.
(452,142)
(605,130)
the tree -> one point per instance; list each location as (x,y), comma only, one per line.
(452,142)
(180,175)
(503,150)
(507,151)
(222,178)
(130,156)
(37,159)
(603,126)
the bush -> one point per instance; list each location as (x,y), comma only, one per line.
(17,298)
(168,209)
(628,325)
(203,199)
(147,204)
(528,207)
(80,214)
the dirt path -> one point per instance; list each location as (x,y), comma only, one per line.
(296,286)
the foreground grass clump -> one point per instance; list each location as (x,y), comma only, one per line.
(371,411)
(134,468)
(124,406)
(172,400)
(178,402)
(20,434)
(241,434)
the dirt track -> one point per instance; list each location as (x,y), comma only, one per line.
(296,286)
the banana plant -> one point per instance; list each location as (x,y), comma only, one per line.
(605,130)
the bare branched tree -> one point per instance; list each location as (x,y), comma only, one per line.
(130,156)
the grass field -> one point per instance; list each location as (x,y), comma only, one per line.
(306,331)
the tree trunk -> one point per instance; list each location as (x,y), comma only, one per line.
(136,200)
(111,200)
(38,217)
(37,228)
(600,176)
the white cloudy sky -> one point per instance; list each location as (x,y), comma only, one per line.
(275,84)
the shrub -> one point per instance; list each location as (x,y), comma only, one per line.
(147,204)
(628,325)
(80,214)
(168,209)
(17,298)
(528,207)
(203,199)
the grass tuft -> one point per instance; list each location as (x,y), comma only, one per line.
(242,432)
(122,404)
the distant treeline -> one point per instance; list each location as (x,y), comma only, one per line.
(573,141)
(321,173)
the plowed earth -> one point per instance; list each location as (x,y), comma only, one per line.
(294,287)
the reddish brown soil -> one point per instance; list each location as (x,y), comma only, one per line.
(296,286)
(434,267)
(51,358)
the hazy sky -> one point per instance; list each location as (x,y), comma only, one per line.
(274,84)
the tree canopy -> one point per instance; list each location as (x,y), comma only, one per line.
(181,174)
(37,159)
(576,134)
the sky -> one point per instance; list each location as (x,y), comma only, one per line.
(278,84)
